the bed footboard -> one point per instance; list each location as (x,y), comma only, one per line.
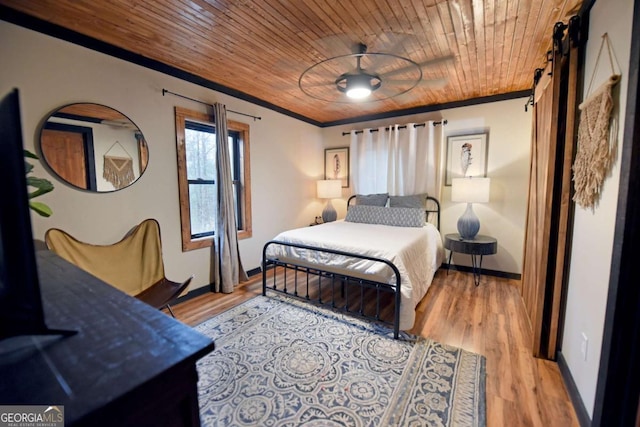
(344,290)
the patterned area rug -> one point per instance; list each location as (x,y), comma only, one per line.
(282,362)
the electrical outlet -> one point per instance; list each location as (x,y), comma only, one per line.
(584,346)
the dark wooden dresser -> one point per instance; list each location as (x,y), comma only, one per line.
(128,364)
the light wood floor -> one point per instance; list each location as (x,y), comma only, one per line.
(488,319)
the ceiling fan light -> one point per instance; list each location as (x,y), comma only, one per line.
(358,92)
(358,86)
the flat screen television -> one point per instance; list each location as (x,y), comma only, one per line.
(21,311)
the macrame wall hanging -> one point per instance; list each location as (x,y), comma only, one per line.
(596,143)
(118,170)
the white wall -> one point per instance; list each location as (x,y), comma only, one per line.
(509,145)
(286,154)
(594,229)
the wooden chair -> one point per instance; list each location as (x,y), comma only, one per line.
(134,264)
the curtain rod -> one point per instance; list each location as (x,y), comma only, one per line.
(443,123)
(210,105)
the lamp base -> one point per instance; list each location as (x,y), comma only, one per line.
(329,213)
(468,224)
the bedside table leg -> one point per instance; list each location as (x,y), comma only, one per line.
(449,263)
(477,269)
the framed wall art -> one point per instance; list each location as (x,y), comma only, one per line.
(336,164)
(466,156)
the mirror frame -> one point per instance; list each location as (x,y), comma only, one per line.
(74,128)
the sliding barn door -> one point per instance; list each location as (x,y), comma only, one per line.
(549,205)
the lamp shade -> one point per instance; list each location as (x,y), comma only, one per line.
(330,189)
(470,190)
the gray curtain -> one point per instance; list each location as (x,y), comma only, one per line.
(228,271)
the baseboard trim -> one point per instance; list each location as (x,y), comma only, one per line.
(486,272)
(209,288)
(572,389)
(194,293)
(254,271)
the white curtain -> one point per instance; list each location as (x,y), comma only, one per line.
(402,160)
(228,269)
(369,161)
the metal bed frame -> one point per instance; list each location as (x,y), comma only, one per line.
(306,278)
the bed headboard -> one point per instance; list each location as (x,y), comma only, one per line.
(432,210)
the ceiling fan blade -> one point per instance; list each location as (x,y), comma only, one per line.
(331,68)
(400,44)
(395,45)
(377,62)
(428,63)
(406,98)
(436,61)
(335,45)
(325,84)
(434,83)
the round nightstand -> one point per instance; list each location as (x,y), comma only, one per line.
(479,246)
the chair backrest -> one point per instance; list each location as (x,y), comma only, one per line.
(131,265)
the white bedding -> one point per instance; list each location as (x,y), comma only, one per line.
(416,252)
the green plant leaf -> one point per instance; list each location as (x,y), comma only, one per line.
(29,154)
(40,208)
(42,186)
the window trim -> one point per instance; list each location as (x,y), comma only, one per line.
(182,116)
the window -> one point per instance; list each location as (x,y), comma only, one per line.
(197,177)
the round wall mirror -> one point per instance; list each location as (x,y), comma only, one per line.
(93,147)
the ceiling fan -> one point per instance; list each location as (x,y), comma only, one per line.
(365,76)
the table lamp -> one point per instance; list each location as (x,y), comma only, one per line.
(469,190)
(329,189)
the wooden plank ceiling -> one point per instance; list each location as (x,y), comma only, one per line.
(465,49)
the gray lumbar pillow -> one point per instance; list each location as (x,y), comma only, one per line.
(398,217)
